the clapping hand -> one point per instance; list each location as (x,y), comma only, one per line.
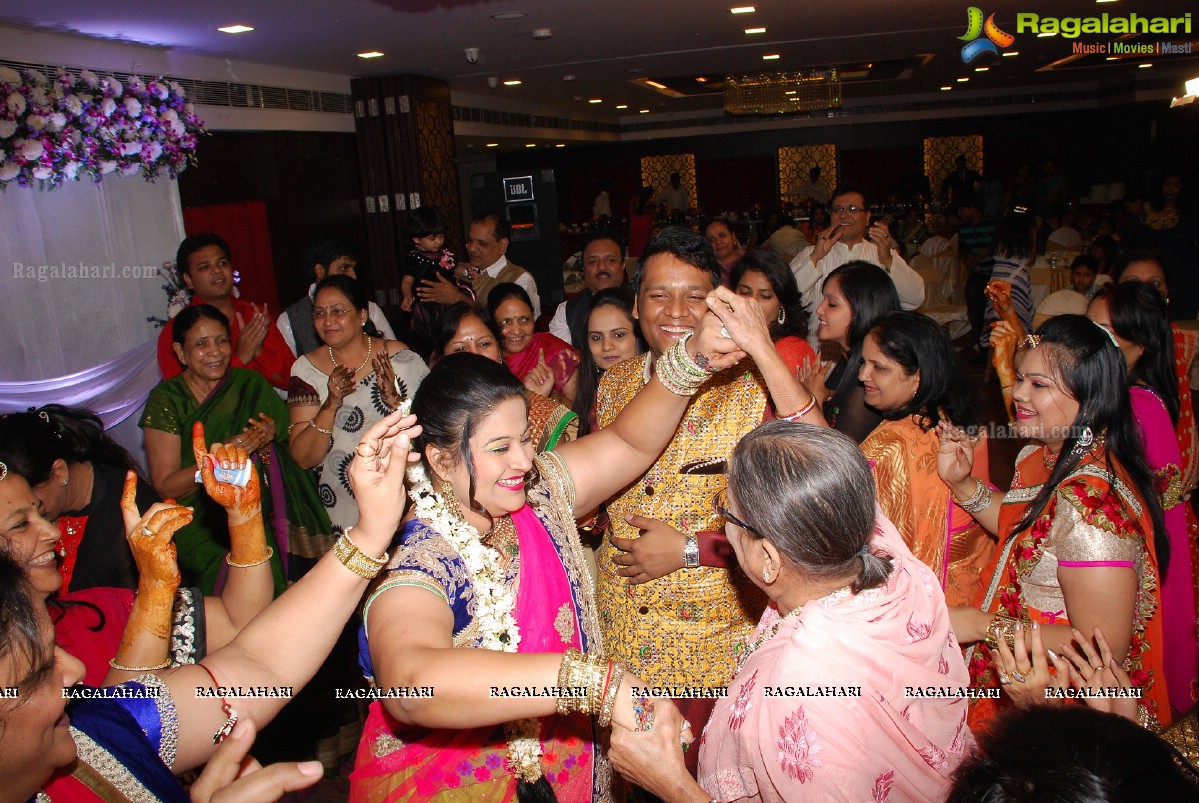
(741,316)
(385,380)
(151,536)
(825,242)
(258,434)
(252,334)
(812,375)
(955,457)
(341,384)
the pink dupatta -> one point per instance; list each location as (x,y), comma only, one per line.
(402,763)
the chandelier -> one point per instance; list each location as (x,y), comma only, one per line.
(782,92)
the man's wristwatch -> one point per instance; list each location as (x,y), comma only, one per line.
(691,552)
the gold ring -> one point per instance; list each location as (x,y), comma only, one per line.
(358,451)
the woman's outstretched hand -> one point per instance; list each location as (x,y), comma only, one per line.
(741,316)
(232,775)
(151,536)
(241,503)
(955,457)
(377,471)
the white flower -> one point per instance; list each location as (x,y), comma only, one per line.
(9,76)
(74,104)
(155,151)
(177,87)
(57,121)
(90,78)
(133,107)
(135,84)
(161,91)
(42,173)
(38,96)
(31,150)
(36,122)
(7,128)
(9,171)
(108,106)
(107,167)
(70,170)
(131,148)
(130,169)
(15,104)
(113,85)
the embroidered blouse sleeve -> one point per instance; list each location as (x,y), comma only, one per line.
(154,711)
(159,414)
(1083,536)
(426,560)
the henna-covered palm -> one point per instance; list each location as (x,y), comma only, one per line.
(245,501)
(153,553)
(385,380)
(999,292)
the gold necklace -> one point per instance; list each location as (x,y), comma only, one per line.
(766,636)
(369,345)
(502,536)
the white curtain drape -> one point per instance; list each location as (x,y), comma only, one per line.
(78,279)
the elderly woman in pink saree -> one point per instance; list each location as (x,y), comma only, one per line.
(853,686)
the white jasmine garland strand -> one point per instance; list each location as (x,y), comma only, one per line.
(494,609)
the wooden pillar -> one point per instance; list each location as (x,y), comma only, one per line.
(405,133)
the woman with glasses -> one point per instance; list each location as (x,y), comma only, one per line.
(341,389)
(841,692)
(545,364)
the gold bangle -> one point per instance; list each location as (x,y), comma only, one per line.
(615,678)
(113,663)
(564,672)
(270,553)
(355,559)
(1003,627)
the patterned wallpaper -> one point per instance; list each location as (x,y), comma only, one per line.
(940,153)
(795,162)
(656,170)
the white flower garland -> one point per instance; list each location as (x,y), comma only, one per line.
(494,608)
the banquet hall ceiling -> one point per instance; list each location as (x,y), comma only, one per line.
(601,48)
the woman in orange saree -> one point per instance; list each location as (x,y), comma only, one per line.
(1082,537)
(909,374)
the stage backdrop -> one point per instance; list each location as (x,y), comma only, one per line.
(78,279)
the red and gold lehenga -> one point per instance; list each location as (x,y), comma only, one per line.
(1087,523)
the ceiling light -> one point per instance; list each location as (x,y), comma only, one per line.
(560,145)
(1105,1)
(568,77)
(1043,34)
(755,30)
(655,84)
(790,92)
(963,80)
(596,100)
(743,10)
(981,69)
(531,145)
(701,79)
(1192,86)
(1012,53)
(623,106)
(1143,66)
(946,88)
(512,83)
(1111,58)
(644,111)
(508,15)
(235,29)
(493,144)
(770,57)
(372,54)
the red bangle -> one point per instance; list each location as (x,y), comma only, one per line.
(807,408)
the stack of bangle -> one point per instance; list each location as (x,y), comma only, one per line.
(355,559)
(678,372)
(979,501)
(1001,627)
(807,408)
(598,678)
(270,553)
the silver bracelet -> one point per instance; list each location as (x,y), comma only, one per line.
(979,501)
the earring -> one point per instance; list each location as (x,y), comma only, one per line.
(1085,441)
(765,575)
(782,316)
(451,501)
(65,480)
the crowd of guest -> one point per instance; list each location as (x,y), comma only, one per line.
(727,530)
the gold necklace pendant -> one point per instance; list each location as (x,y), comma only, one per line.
(370,343)
(502,537)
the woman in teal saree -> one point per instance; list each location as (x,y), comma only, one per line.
(238,406)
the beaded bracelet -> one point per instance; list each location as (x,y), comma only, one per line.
(113,663)
(979,501)
(270,553)
(355,559)
(678,372)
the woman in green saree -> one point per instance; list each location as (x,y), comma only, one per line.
(236,406)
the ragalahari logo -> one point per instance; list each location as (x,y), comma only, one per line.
(991,33)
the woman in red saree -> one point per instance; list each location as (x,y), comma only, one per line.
(527,351)
(1082,538)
